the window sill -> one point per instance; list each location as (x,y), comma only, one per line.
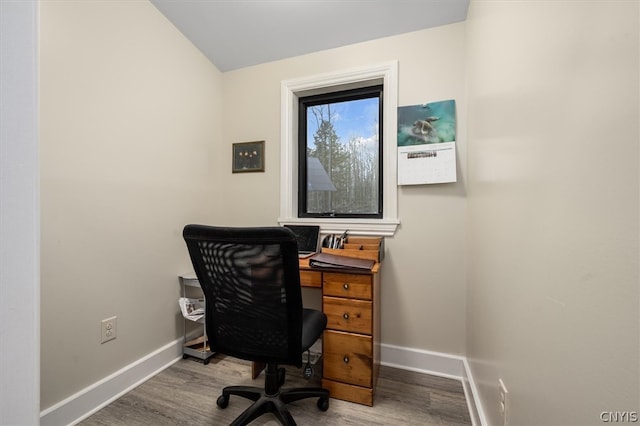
(373,227)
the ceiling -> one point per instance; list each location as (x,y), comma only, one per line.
(235,34)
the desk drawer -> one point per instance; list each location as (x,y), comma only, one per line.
(347,392)
(347,358)
(348,314)
(354,286)
(311,279)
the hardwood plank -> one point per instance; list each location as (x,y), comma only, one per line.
(186,393)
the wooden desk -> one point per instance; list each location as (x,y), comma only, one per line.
(351,342)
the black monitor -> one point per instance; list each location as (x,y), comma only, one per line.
(307,236)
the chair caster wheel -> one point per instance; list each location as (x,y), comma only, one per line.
(323,404)
(185,356)
(206,361)
(222,401)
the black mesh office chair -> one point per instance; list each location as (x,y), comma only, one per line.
(251,282)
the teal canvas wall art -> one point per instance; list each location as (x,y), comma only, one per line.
(427,123)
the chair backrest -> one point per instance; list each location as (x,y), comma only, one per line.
(251,282)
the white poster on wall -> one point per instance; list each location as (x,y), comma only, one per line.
(424,164)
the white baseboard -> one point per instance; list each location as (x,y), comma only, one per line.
(91,399)
(437,364)
(421,361)
(473,400)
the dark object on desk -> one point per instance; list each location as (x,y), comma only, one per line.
(251,281)
(307,237)
(327,260)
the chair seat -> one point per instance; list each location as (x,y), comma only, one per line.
(313,324)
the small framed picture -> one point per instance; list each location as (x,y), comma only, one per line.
(248,157)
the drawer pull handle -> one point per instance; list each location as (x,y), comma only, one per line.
(346,286)
(346,359)
(345,315)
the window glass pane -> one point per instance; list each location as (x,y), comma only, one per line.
(343,156)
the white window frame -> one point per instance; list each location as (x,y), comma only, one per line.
(385,73)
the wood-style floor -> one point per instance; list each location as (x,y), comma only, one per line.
(186,393)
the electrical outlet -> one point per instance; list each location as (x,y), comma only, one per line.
(503,404)
(109,329)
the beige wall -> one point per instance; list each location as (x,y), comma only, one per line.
(423,279)
(553,208)
(136,131)
(130,117)
(135,143)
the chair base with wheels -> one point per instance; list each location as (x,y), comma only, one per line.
(272,399)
